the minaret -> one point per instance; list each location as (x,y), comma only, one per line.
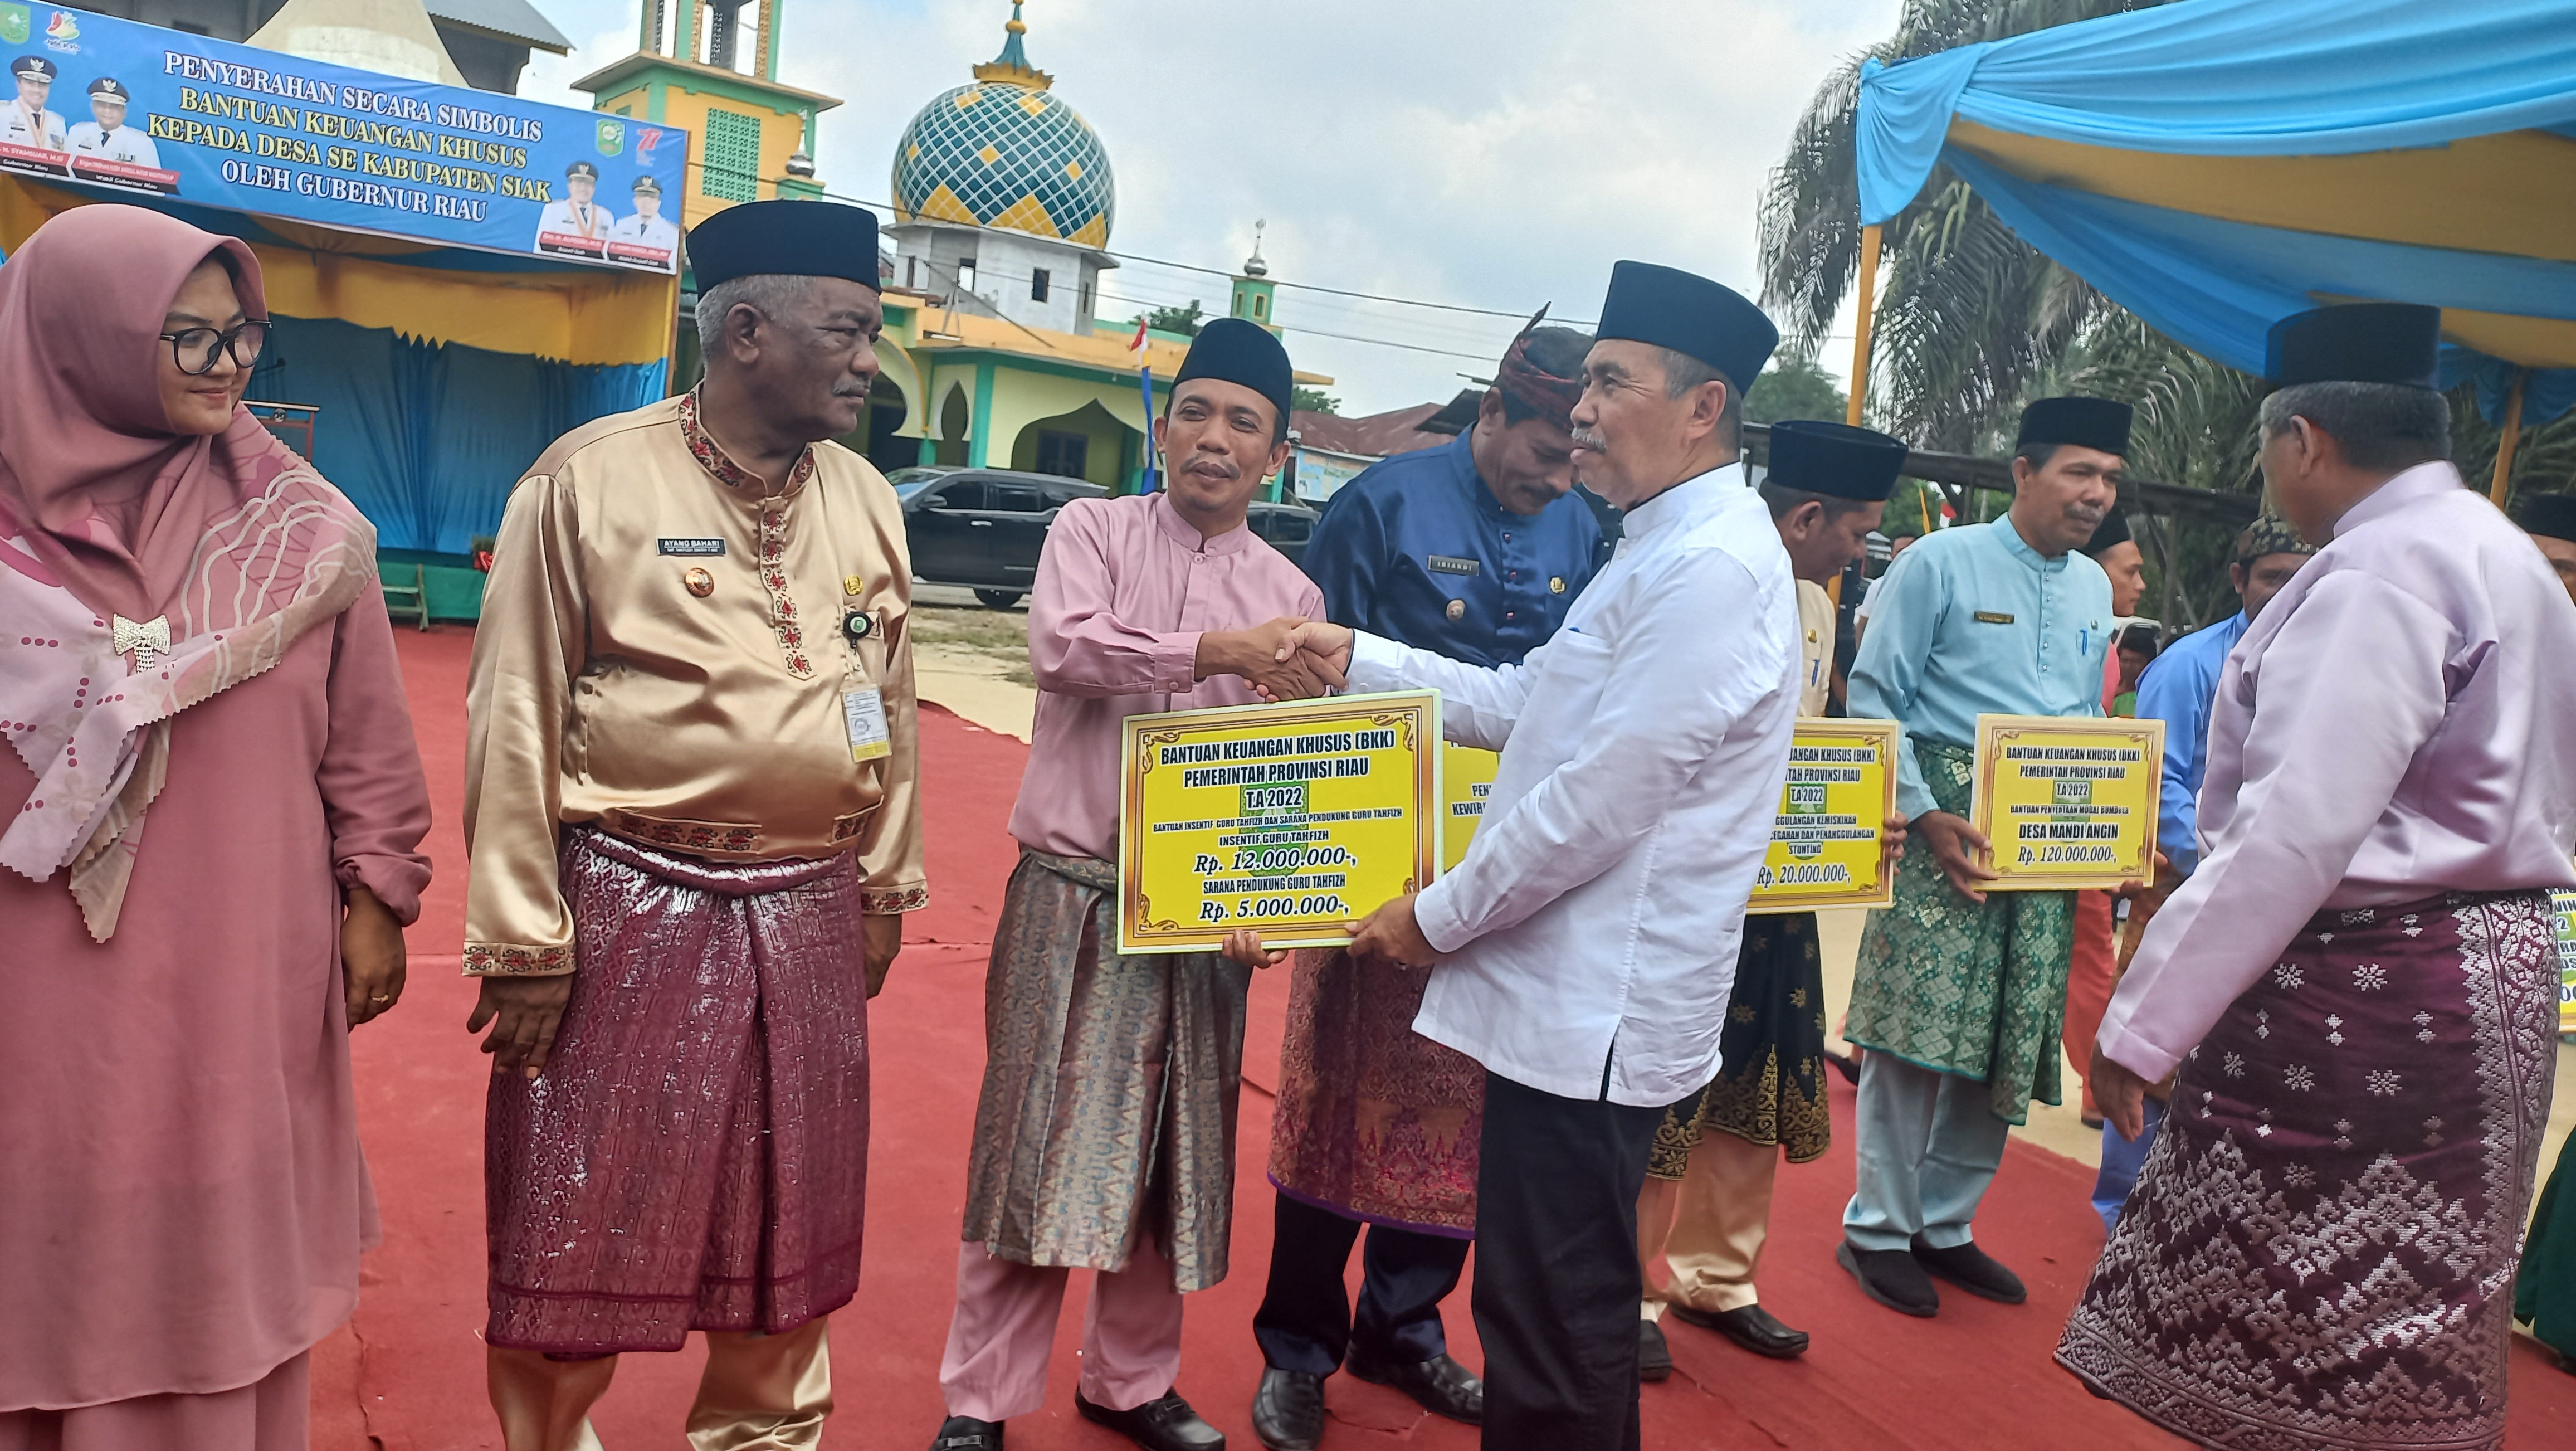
(750,138)
(1253,289)
(390,37)
(1012,66)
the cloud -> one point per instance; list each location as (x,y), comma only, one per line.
(1498,155)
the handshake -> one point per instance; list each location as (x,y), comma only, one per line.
(1286,659)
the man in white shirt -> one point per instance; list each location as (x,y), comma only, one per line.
(577,215)
(1587,943)
(106,136)
(647,227)
(25,121)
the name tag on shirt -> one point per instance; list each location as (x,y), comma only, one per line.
(692,546)
(863,711)
(1449,564)
(1990,617)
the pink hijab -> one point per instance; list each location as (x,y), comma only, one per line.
(141,570)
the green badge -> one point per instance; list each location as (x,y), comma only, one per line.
(612,137)
(13,24)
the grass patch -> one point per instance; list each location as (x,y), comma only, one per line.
(1001,635)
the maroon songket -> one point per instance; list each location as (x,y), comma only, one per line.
(2321,1248)
(695,1155)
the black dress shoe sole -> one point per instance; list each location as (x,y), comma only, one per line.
(1843,1257)
(1982,1292)
(1108,1419)
(1783,1349)
(1275,1442)
(1365,1370)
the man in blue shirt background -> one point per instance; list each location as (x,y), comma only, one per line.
(1474,549)
(2179,689)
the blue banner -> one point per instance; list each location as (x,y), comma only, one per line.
(114,105)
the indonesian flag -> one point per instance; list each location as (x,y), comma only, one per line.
(1136,344)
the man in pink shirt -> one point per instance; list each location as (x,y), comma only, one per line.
(2359,982)
(1104,1139)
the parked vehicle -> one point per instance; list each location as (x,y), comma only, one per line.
(910,481)
(1287,526)
(983,528)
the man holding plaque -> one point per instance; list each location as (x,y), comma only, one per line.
(1706,1209)
(1958,998)
(1587,942)
(1104,1138)
(2359,983)
(1475,549)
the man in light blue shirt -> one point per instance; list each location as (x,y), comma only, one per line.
(1959,999)
(2178,689)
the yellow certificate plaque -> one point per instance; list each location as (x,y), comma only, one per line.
(2563,906)
(1293,819)
(2068,802)
(1466,779)
(1833,812)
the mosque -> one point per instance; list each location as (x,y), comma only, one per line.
(1004,199)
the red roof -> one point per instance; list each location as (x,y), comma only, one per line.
(1375,436)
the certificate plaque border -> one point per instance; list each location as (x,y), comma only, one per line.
(1883,733)
(1416,711)
(1995,732)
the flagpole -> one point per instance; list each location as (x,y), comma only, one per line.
(1146,375)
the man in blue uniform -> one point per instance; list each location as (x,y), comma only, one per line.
(2179,689)
(1474,549)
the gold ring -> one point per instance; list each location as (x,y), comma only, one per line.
(381,998)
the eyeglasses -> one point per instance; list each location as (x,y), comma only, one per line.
(195,349)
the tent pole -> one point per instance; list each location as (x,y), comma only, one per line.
(2512,435)
(1869,240)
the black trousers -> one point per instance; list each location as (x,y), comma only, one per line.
(1305,1321)
(1556,1268)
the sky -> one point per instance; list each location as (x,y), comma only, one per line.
(1496,155)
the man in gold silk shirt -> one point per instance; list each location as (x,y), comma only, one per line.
(693,818)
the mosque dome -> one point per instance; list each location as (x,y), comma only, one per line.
(1004,151)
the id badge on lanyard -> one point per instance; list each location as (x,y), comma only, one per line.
(863,711)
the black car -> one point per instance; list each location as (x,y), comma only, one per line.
(984,528)
(1287,526)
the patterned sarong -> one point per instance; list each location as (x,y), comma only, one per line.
(1979,991)
(2322,1241)
(1770,1084)
(695,1156)
(1110,1085)
(1375,1121)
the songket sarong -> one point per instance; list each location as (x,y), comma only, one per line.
(2321,1244)
(1955,986)
(2544,1293)
(1110,1086)
(695,1155)
(1375,1122)
(1770,1084)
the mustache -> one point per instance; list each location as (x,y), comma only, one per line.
(1226,466)
(1585,438)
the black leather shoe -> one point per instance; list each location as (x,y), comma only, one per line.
(965,1433)
(1972,1270)
(1288,1410)
(1892,1277)
(1750,1326)
(1165,1423)
(1439,1385)
(1654,1356)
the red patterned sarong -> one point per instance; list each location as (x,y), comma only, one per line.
(2320,1250)
(695,1155)
(1375,1122)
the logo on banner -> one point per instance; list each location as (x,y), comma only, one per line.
(646,139)
(612,137)
(13,24)
(60,29)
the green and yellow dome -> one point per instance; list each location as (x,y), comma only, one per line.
(1005,152)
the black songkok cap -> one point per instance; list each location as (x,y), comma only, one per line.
(2269,534)
(2550,515)
(1690,315)
(1231,350)
(2114,529)
(2357,342)
(2096,423)
(1831,458)
(785,238)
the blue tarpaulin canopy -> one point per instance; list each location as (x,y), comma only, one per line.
(2216,165)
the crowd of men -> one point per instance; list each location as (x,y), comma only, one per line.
(694,801)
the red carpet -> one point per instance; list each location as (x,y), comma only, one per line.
(408,1372)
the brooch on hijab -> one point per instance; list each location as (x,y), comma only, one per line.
(148,641)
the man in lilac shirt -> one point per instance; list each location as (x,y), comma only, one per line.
(2359,983)
(1104,1135)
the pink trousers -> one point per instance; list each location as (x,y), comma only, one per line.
(272,1413)
(1004,1334)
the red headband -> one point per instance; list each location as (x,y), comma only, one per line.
(1551,397)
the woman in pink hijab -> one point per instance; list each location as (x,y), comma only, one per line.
(213,807)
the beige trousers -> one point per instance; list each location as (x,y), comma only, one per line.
(759,1393)
(1700,1238)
